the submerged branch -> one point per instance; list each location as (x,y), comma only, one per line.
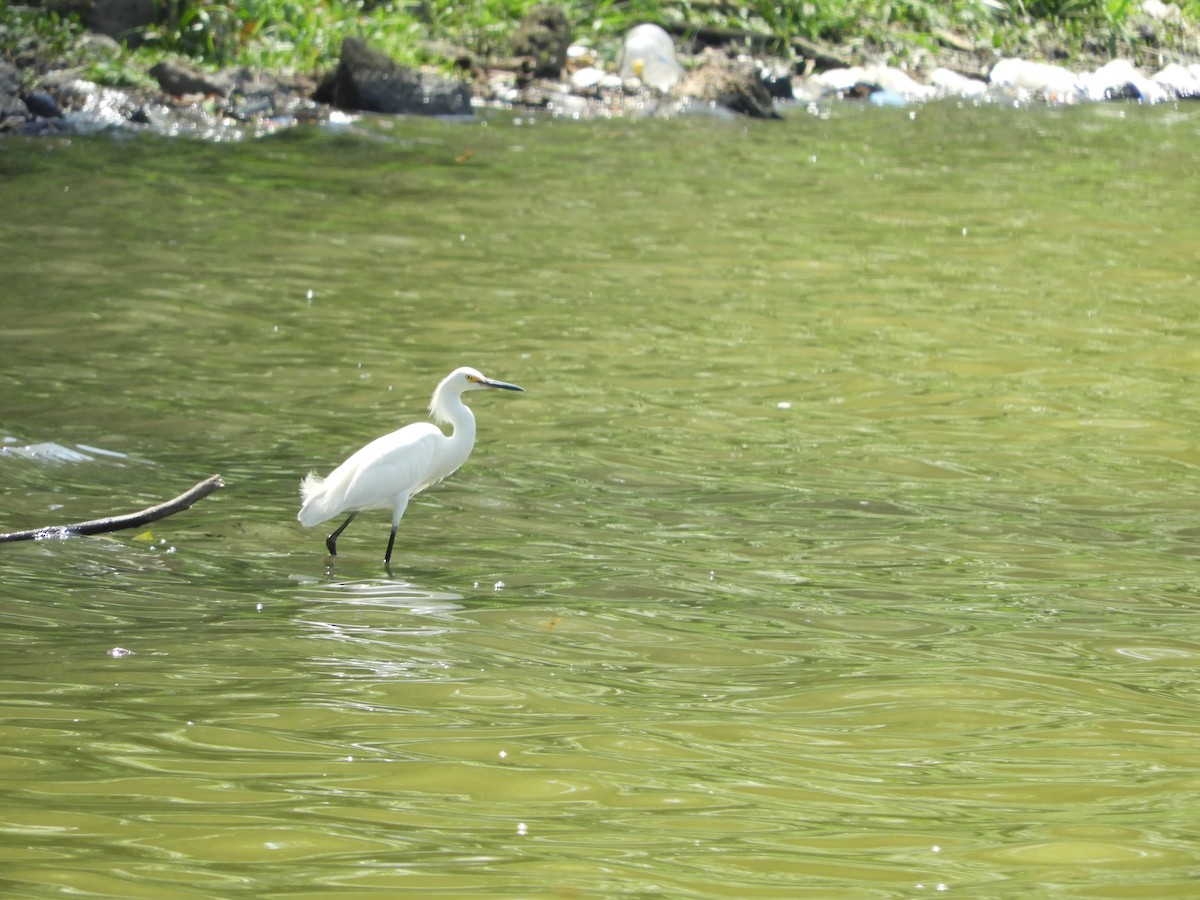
(116,523)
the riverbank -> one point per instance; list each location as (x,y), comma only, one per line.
(85,81)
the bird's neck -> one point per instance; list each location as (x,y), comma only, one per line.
(462,421)
(461,439)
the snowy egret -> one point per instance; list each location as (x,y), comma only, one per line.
(387,472)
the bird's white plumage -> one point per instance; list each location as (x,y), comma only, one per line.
(391,469)
(403,462)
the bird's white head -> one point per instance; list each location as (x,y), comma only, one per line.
(474,380)
(455,384)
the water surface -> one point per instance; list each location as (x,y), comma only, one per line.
(843,544)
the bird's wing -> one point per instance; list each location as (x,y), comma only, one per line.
(398,463)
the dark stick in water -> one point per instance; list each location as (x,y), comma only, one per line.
(116,523)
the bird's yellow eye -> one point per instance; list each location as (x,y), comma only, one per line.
(472,379)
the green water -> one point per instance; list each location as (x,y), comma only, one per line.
(843,545)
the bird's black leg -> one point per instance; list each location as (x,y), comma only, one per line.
(331,541)
(387,557)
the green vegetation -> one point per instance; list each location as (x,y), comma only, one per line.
(305,35)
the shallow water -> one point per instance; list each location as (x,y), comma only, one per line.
(843,544)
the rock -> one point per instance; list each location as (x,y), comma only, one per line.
(779,86)
(178,78)
(99,46)
(861,90)
(368,80)
(123,20)
(1179,80)
(949,83)
(39,103)
(729,83)
(877,78)
(13,112)
(88,107)
(1119,79)
(580,55)
(832,81)
(648,54)
(873,93)
(255,93)
(1040,79)
(544,36)
(896,81)
(10,78)
(586,78)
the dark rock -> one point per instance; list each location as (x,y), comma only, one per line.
(39,103)
(544,36)
(861,90)
(178,78)
(123,20)
(1126,91)
(778,86)
(369,80)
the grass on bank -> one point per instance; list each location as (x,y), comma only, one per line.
(305,35)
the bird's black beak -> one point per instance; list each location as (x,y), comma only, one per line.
(503,385)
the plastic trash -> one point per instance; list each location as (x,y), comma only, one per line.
(648,54)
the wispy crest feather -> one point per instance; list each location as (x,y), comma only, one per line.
(437,405)
(314,505)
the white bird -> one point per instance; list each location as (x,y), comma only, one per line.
(390,470)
